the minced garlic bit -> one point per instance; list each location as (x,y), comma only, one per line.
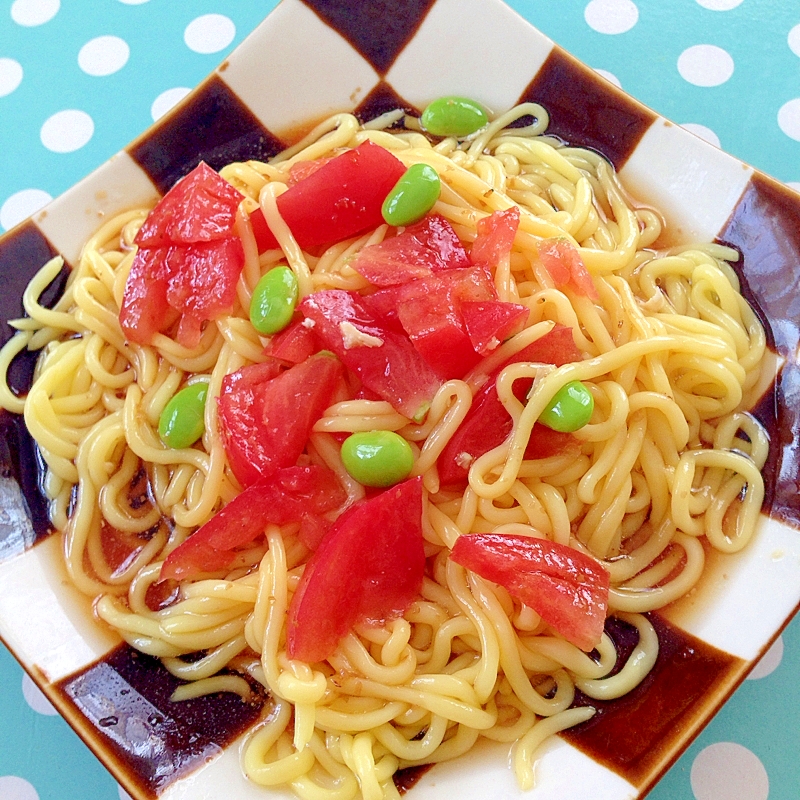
(353,337)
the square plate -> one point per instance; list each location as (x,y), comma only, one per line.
(374,56)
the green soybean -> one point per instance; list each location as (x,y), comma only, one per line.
(454,116)
(181,422)
(274,299)
(413,196)
(570,409)
(377,458)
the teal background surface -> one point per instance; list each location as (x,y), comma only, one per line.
(751,749)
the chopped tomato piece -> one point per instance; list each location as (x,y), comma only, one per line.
(490,322)
(290,495)
(293,344)
(429,310)
(384,360)
(429,246)
(200,207)
(488,424)
(567,588)
(495,237)
(564,263)
(342,198)
(367,569)
(265,419)
(188,262)
(304,169)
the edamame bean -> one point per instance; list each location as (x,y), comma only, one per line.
(181,422)
(273,301)
(413,196)
(454,116)
(377,458)
(570,409)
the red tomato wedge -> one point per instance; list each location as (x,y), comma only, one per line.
(490,322)
(567,588)
(564,263)
(292,494)
(293,344)
(488,424)
(495,237)
(188,262)
(384,360)
(338,199)
(429,309)
(265,418)
(430,245)
(201,207)
(367,569)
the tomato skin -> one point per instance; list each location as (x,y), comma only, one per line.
(490,322)
(338,199)
(367,569)
(201,207)
(292,494)
(294,344)
(488,424)
(429,246)
(564,263)
(429,309)
(495,237)
(266,416)
(394,370)
(567,588)
(188,260)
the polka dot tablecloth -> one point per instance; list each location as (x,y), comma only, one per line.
(78,81)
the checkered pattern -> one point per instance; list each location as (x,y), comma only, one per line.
(308,59)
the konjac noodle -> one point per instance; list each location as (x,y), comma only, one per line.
(662,343)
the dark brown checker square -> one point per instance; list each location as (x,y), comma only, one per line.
(381,99)
(213,126)
(584,112)
(378,29)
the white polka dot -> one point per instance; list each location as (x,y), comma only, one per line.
(35,698)
(10,75)
(610,77)
(123,795)
(34,12)
(611,16)
(705,65)
(21,205)
(133,2)
(103,55)
(719,5)
(14,788)
(209,33)
(67,131)
(166,100)
(794,40)
(769,662)
(789,118)
(703,132)
(728,770)
(794,185)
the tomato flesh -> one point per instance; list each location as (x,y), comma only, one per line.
(294,344)
(567,588)
(488,424)
(292,494)
(565,265)
(490,322)
(384,359)
(338,199)
(266,415)
(495,237)
(429,309)
(429,246)
(367,569)
(188,260)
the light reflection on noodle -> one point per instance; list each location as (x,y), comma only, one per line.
(672,356)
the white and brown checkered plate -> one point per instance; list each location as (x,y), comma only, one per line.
(310,58)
